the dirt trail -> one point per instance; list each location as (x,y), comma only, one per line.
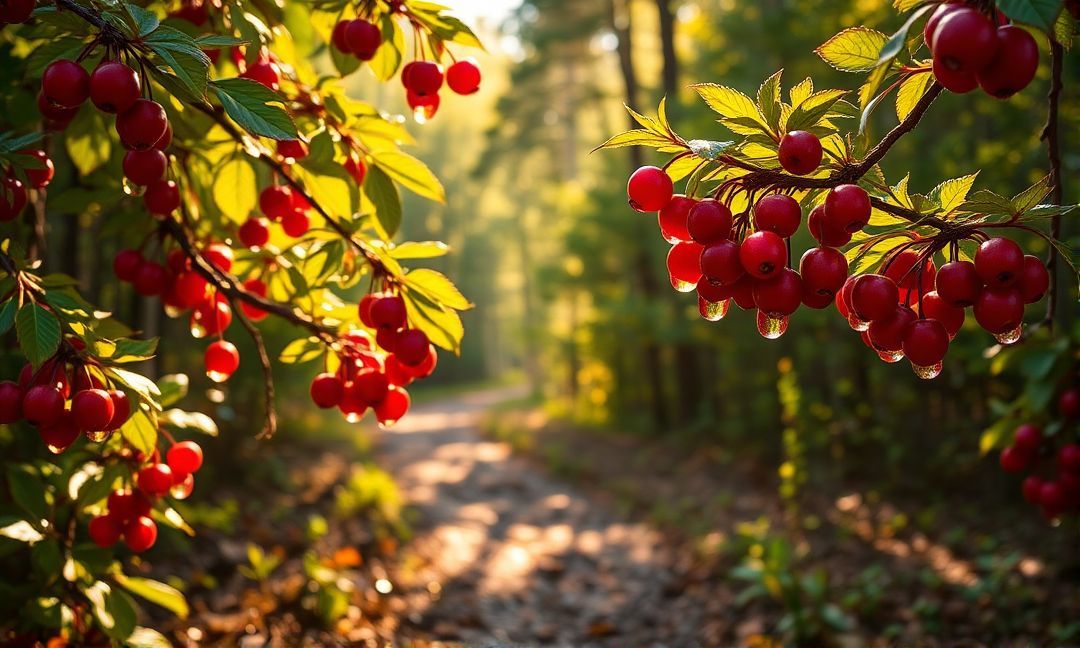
(503,552)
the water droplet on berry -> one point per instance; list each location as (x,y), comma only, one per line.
(198,331)
(98,436)
(217,376)
(927,373)
(682,286)
(1009,337)
(714,311)
(891,356)
(55,449)
(857,324)
(771,327)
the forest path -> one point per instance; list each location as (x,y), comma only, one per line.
(503,552)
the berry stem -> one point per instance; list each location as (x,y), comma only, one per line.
(270,426)
(1052,134)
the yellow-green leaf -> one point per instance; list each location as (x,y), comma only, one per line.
(437,287)
(89,141)
(234,189)
(911,90)
(164,595)
(140,432)
(855,49)
(952,193)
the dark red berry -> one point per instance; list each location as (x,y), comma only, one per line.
(934,307)
(254,233)
(824,231)
(162,198)
(40,178)
(999,310)
(954,81)
(887,333)
(426,77)
(338,37)
(363,38)
(1031,487)
(93,409)
(1014,64)
(142,125)
(763,254)
(126,264)
(296,223)
(371,385)
(1028,437)
(292,149)
(65,83)
(150,279)
(650,189)
(43,404)
(1069,458)
(778,213)
(424,106)
(874,297)
(105,531)
(720,262)
(276,202)
(121,409)
(11,399)
(1034,279)
(388,312)
(958,283)
(145,167)
(965,40)
(463,77)
(847,208)
(411,347)
(114,87)
(942,10)
(780,295)
(800,152)
(824,271)
(16,11)
(155,479)
(1014,459)
(926,341)
(999,262)
(709,221)
(12,198)
(1069,403)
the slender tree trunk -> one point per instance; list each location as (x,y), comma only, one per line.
(670,71)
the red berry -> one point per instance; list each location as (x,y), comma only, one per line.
(965,40)
(16,11)
(338,37)
(364,308)
(1014,64)
(11,399)
(296,223)
(264,72)
(356,168)
(363,38)
(125,505)
(1013,459)
(327,390)
(221,360)
(999,310)
(958,283)
(742,291)
(778,213)
(954,81)
(43,404)
(1034,279)
(847,208)
(942,10)
(65,83)
(999,262)
(121,409)
(292,149)
(934,307)
(463,77)
(393,407)
(815,300)
(12,198)
(824,271)
(140,534)
(780,295)
(873,297)
(188,290)
(684,263)
(155,479)
(371,385)
(887,333)
(709,221)
(105,531)
(40,178)
(800,152)
(162,198)
(150,279)
(650,189)
(254,233)
(411,347)
(763,255)
(425,78)
(388,312)
(60,434)
(386,339)
(1053,497)
(213,316)
(1069,403)
(673,217)
(142,125)
(926,342)
(276,202)
(1069,458)
(424,107)
(145,167)
(166,140)
(114,87)
(1028,437)
(92,409)
(185,458)
(720,262)
(824,231)
(426,367)
(1031,487)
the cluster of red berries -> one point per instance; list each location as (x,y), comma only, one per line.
(181,288)
(972,49)
(13,196)
(365,379)
(64,400)
(359,38)
(1030,449)
(13,12)
(128,511)
(280,204)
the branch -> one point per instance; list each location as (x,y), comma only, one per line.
(903,128)
(1052,135)
(270,427)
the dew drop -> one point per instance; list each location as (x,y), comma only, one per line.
(198,331)
(217,376)
(857,324)
(713,311)
(55,449)
(771,327)
(891,356)
(927,373)
(1009,337)
(682,286)
(97,436)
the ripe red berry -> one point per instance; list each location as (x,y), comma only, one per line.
(901,268)
(363,38)
(155,479)
(371,385)
(364,309)
(954,81)
(16,11)
(276,202)
(778,213)
(1014,64)
(162,198)
(887,333)
(65,83)
(143,125)
(742,291)
(1069,458)
(1053,497)
(424,107)
(221,360)
(121,409)
(12,198)
(823,230)
(926,341)
(847,208)
(40,178)
(393,407)
(92,409)
(426,77)
(411,347)
(105,531)
(292,149)
(255,287)
(184,458)
(873,297)
(150,279)
(999,262)
(713,293)
(1034,279)
(1069,403)
(145,167)
(11,398)
(763,254)
(824,271)
(780,295)
(327,390)
(720,262)
(650,189)
(965,40)
(341,43)
(425,368)
(999,310)
(388,312)
(356,168)
(942,10)
(463,77)
(254,233)
(934,307)
(684,264)
(296,223)
(673,218)
(386,339)
(800,152)
(1031,487)
(140,534)
(60,434)
(1014,459)
(1028,437)
(264,72)
(114,87)
(42,404)
(125,505)
(958,283)
(165,141)
(709,221)
(815,300)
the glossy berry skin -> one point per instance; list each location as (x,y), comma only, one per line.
(338,37)
(296,223)
(999,262)
(713,293)
(463,77)
(779,214)
(364,309)
(709,221)
(999,310)
(155,480)
(42,404)
(11,398)
(363,39)
(220,256)
(874,297)
(292,149)
(650,189)
(386,339)
(145,167)
(1069,404)
(824,271)
(673,218)
(151,279)
(1014,64)
(1013,459)
(121,409)
(424,106)
(388,312)
(800,152)
(965,41)
(255,287)
(958,283)
(12,198)
(763,255)
(65,83)
(720,262)
(1028,437)
(684,262)
(393,407)
(114,87)
(934,20)
(92,409)
(934,307)
(356,168)
(411,347)
(162,198)
(1034,279)
(143,125)
(780,295)
(265,73)
(847,208)
(1069,458)
(954,81)
(371,385)
(276,202)
(140,534)
(254,233)
(105,531)
(40,178)
(926,341)
(126,264)
(59,435)
(184,458)
(887,333)
(1053,498)
(327,390)
(221,360)
(425,78)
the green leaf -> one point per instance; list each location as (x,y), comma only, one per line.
(131,350)
(415,250)
(1037,13)
(39,333)
(114,610)
(812,110)
(141,385)
(234,189)
(218,41)
(89,141)
(952,193)
(249,104)
(636,137)
(191,421)
(1031,196)
(855,49)
(442,325)
(740,114)
(911,91)
(380,190)
(173,387)
(147,638)
(28,491)
(389,56)
(437,287)
(181,53)
(768,101)
(10,143)
(145,20)
(7,315)
(156,592)
(411,173)
(140,432)
(302,350)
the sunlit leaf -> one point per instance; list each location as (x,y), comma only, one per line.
(235,188)
(38,331)
(855,49)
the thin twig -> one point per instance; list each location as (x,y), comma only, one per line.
(270,426)
(1052,135)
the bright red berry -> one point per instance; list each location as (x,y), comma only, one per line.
(254,233)
(140,534)
(965,40)
(874,297)
(887,333)
(292,149)
(121,409)
(371,385)
(114,87)
(953,80)
(142,125)
(424,106)
(184,458)
(426,77)
(221,360)
(1013,459)
(364,309)
(40,178)
(42,404)
(363,38)
(684,263)
(823,271)
(778,213)
(327,390)
(780,295)
(162,198)
(463,77)
(65,83)
(388,312)
(720,262)
(93,409)
(145,167)
(824,231)
(650,189)
(356,168)
(926,342)
(105,531)
(276,202)
(958,283)
(296,223)
(847,208)
(255,287)
(673,217)
(999,310)
(155,479)
(12,198)
(800,152)
(1034,279)
(393,407)
(411,347)
(934,307)
(264,72)
(709,221)
(999,262)
(60,434)
(763,254)
(1014,64)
